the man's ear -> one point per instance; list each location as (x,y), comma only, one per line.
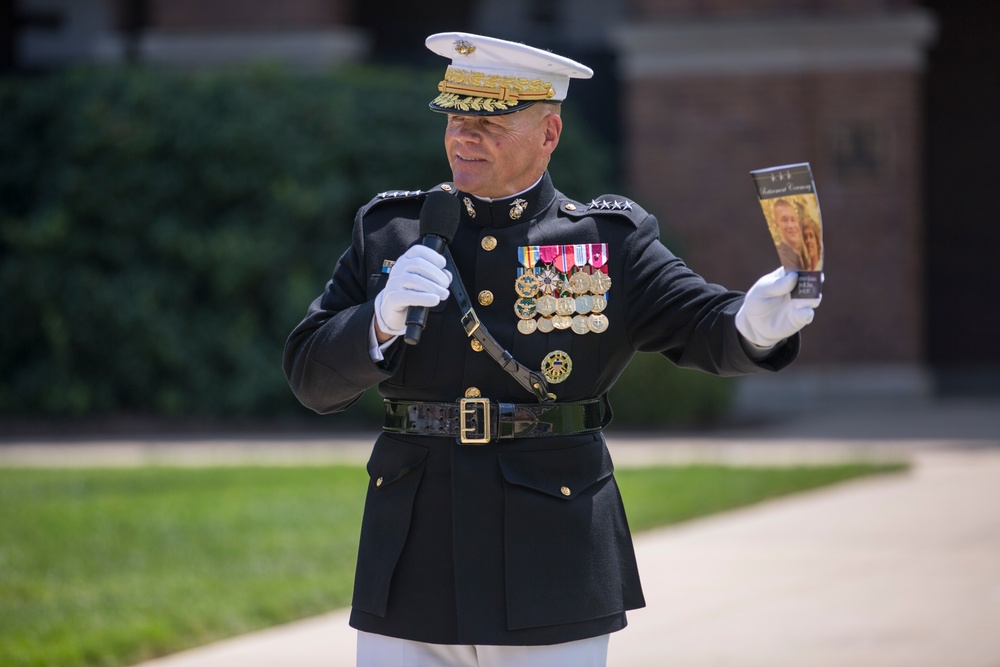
(552,128)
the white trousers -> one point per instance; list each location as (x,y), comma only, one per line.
(381,651)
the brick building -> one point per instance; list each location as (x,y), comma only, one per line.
(893,103)
(733,86)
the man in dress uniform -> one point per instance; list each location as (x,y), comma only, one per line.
(494,532)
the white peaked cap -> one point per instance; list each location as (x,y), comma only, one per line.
(490,76)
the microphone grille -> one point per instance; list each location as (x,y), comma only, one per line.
(440,215)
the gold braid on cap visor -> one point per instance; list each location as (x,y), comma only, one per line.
(477,91)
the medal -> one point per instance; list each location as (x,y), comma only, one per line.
(597,255)
(550,281)
(525,308)
(579,283)
(546,305)
(560,287)
(600,283)
(556,366)
(529,256)
(566,305)
(597,323)
(526,285)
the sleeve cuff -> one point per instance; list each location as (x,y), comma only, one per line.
(757,352)
(375,349)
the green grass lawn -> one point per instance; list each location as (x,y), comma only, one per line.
(111,567)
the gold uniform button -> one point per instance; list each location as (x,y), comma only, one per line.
(473,392)
(446,187)
(378,482)
(485,297)
(570,207)
(489,243)
(565,491)
(476,345)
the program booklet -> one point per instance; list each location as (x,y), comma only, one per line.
(787,196)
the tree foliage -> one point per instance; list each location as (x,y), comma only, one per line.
(162,232)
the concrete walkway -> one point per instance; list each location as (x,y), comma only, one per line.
(896,570)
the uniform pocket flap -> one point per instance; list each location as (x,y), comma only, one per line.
(391,460)
(560,473)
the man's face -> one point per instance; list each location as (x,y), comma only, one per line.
(787,220)
(497,156)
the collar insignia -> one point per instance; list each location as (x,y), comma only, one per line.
(469,208)
(517,208)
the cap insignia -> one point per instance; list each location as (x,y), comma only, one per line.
(464,48)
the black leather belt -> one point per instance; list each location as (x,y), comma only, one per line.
(476,421)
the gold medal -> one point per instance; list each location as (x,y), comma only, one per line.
(556,366)
(580,325)
(566,306)
(527,326)
(545,325)
(525,308)
(546,305)
(526,285)
(584,304)
(597,323)
(562,322)
(600,303)
(579,283)
(600,283)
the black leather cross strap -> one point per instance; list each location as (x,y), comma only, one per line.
(481,421)
(533,381)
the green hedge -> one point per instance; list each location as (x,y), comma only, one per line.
(162,232)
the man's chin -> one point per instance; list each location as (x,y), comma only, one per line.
(465,183)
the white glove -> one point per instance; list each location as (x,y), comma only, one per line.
(418,278)
(769,315)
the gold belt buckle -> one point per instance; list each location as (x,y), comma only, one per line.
(469,407)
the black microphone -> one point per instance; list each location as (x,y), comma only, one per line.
(438,224)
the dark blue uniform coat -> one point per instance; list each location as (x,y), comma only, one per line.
(480,544)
